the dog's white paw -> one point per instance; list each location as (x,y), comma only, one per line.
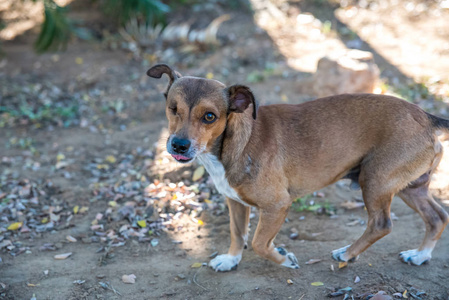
(416,257)
(290,258)
(225,262)
(341,255)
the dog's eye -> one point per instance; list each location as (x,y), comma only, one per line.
(209,118)
(174,110)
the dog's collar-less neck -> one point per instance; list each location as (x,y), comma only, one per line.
(217,171)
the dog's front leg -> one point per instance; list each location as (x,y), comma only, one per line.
(239,219)
(270,222)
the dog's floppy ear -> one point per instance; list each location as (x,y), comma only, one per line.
(240,97)
(159,69)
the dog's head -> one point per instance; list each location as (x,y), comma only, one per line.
(197,110)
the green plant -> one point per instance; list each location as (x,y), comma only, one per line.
(151,11)
(414,91)
(347,33)
(259,76)
(26,143)
(56,29)
(327,27)
(2,25)
(307,204)
(44,113)
(411,92)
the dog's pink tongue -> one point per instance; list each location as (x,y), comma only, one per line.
(180,157)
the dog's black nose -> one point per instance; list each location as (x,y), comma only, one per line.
(180,146)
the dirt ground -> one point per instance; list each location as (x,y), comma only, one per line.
(120,133)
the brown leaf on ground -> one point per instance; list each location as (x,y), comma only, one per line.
(352,204)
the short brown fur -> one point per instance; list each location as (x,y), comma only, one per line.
(387,145)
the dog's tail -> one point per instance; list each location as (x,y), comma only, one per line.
(439,123)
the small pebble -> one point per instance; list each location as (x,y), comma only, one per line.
(294,236)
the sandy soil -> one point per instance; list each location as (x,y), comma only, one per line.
(164,271)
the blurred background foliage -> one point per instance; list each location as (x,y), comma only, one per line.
(57,28)
(264,41)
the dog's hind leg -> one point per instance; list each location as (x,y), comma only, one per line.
(239,215)
(270,222)
(434,216)
(379,225)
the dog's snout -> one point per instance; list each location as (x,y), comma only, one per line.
(180,146)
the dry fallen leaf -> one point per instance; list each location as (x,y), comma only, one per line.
(199,172)
(63,256)
(196,265)
(61,164)
(352,204)
(142,223)
(313,261)
(71,239)
(353,223)
(79,281)
(5,243)
(83,209)
(381,295)
(342,264)
(317,283)
(33,285)
(131,278)
(76,209)
(111,159)
(154,242)
(15,226)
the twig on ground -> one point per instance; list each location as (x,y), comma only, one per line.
(114,290)
(194,280)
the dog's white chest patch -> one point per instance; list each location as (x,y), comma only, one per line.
(216,170)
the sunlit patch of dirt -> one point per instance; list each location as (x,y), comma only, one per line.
(17,23)
(300,37)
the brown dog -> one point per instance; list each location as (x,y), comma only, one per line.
(269,156)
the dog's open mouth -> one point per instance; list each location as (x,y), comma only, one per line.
(181,158)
